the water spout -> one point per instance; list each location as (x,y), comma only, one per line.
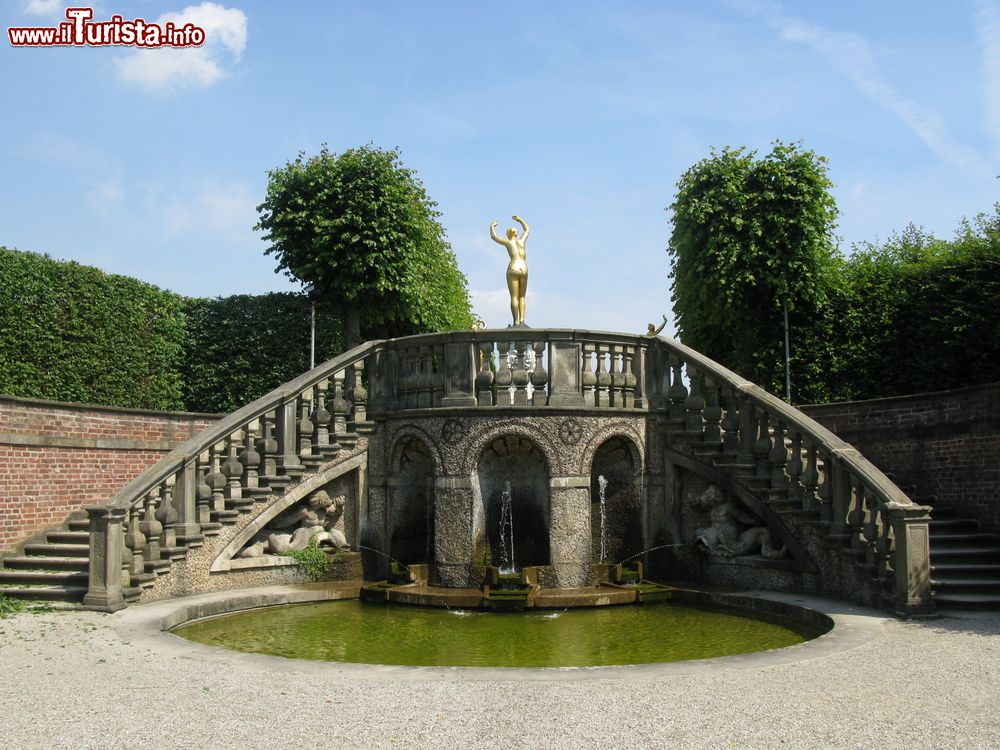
(506,531)
(602,483)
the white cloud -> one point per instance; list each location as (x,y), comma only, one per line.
(852,54)
(199,67)
(43,7)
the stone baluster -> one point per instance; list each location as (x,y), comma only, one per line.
(602,393)
(438,375)
(677,392)
(216,480)
(694,405)
(730,424)
(305,426)
(809,478)
(519,377)
(267,447)
(426,379)
(341,408)
(762,446)
(539,377)
(587,375)
(840,499)
(250,458)
(712,413)
(166,514)
(233,470)
(203,497)
(412,355)
(321,416)
(856,514)
(778,457)
(125,554)
(884,548)
(135,542)
(616,369)
(748,433)
(870,530)
(504,376)
(484,377)
(151,527)
(358,396)
(824,494)
(794,471)
(631,398)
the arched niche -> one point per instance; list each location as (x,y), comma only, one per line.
(410,517)
(616,461)
(516,463)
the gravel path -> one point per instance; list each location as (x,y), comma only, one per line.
(69,680)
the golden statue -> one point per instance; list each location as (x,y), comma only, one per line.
(652,330)
(517,271)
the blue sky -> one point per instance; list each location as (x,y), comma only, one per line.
(579,116)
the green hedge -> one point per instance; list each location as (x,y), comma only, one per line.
(239,348)
(72,333)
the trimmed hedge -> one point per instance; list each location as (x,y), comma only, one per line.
(73,333)
(69,332)
(239,348)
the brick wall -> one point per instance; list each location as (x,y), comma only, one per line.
(945,444)
(56,458)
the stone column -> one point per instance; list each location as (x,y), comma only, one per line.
(912,559)
(104,593)
(569,530)
(453,530)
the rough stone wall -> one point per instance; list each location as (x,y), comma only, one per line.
(56,458)
(945,443)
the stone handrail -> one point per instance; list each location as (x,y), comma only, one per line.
(172,503)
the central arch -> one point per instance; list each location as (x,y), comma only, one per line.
(512,469)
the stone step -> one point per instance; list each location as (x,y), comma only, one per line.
(46,563)
(79,524)
(984,584)
(57,550)
(944,511)
(967,601)
(940,570)
(44,578)
(942,539)
(45,593)
(68,537)
(965,553)
(949,525)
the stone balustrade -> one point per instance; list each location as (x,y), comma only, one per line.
(776,451)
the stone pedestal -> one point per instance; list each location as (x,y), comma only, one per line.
(453,530)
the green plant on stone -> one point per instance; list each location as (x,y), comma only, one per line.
(9,606)
(314,560)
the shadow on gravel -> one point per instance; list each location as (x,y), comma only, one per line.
(972,623)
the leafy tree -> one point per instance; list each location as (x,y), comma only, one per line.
(751,236)
(361,229)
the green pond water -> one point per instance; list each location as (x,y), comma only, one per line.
(356,631)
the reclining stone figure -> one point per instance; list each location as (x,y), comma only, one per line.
(296,528)
(728,535)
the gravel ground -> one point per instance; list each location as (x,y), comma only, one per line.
(71,680)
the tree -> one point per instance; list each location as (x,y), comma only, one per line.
(752,238)
(361,229)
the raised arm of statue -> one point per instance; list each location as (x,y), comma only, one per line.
(524,226)
(493,235)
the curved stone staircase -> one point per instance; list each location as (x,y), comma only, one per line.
(731,428)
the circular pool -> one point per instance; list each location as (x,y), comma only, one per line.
(363,632)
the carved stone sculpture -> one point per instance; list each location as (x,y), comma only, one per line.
(734,531)
(312,521)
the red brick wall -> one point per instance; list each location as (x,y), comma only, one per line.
(57,458)
(945,444)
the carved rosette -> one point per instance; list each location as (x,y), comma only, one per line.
(570,431)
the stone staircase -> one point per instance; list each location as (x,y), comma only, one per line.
(55,569)
(965,562)
(51,570)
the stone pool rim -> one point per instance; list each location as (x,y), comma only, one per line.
(149,626)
